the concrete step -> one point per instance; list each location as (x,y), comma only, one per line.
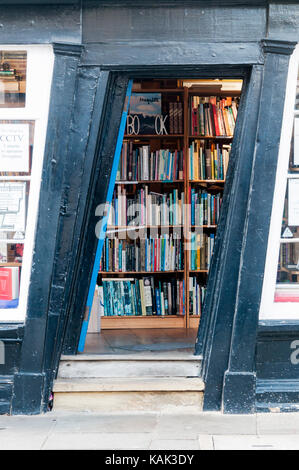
(126,365)
(129,394)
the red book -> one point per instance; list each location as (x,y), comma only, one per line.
(215,118)
(9,283)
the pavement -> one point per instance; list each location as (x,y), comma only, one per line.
(153,431)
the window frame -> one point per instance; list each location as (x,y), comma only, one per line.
(270,310)
(40,61)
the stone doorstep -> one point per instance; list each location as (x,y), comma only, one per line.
(132,357)
(127,366)
(132,384)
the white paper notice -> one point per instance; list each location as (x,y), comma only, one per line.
(296,141)
(293,198)
(14,147)
(12,207)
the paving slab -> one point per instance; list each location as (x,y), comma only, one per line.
(12,440)
(40,423)
(174,444)
(97,441)
(206,442)
(278,442)
(278,423)
(89,422)
(205,423)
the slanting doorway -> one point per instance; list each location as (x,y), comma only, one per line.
(164,213)
(153,273)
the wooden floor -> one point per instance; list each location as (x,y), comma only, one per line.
(141,341)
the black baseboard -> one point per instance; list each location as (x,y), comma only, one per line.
(277,395)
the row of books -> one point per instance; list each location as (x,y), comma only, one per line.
(201,251)
(196,296)
(163,253)
(142,164)
(204,207)
(212,116)
(175,117)
(208,161)
(146,208)
(142,297)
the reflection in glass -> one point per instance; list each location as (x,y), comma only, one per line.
(13,66)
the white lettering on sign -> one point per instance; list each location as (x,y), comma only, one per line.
(160,125)
(295,354)
(14,147)
(2,353)
(133,125)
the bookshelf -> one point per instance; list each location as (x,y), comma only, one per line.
(196,191)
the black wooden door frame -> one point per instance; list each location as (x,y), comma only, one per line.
(97,192)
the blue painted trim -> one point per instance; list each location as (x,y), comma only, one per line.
(102,235)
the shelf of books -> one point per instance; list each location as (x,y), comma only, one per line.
(166,203)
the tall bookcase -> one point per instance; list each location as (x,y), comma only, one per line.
(174,91)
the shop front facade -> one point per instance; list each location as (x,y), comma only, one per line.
(65,73)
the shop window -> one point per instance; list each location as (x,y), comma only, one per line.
(13,65)
(280,298)
(24,102)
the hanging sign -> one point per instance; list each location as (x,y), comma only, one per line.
(14,147)
(293,202)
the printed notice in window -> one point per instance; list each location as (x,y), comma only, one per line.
(12,207)
(296,142)
(293,206)
(14,147)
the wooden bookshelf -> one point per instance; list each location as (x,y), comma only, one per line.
(139,273)
(153,136)
(182,142)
